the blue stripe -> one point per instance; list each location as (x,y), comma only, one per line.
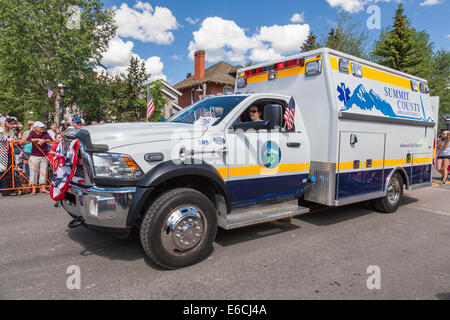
(361,182)
(248,192)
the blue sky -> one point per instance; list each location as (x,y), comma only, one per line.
(165,34)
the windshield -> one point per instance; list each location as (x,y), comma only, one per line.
(209,111)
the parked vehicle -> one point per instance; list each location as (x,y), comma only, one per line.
(332,129)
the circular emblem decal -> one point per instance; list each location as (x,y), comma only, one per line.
(270,154)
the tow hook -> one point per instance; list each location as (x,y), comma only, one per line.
(76,222)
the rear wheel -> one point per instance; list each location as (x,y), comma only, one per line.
(394,194)
(179,228)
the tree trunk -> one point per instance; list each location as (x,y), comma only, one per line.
(57,116)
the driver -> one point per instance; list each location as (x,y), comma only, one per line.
(254,113)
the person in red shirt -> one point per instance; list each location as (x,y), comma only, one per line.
(38,159)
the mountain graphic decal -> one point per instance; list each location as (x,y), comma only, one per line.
(368,100)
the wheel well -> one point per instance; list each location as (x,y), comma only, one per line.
(202,184)
(403,175)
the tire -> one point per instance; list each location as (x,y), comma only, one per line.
(185,238)
(394,195)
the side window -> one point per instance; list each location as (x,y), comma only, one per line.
(255,111)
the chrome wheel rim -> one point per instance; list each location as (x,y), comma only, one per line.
(393,192)
(183,229)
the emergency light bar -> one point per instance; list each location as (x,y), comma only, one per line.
(300,62)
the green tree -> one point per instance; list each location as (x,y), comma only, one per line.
(439,80)
(249,63)
(396,48)
(310,43)
(128,99)
(43,43)
(188,75)
(346,37)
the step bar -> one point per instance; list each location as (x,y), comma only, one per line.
(259,214)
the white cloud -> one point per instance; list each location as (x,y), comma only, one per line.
(298,17)
(225,40)
(430,2)
(191,21)
(144,23)
(177,57)
(118,53)
(118,56)
(353,6)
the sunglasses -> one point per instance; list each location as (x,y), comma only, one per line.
(253,111)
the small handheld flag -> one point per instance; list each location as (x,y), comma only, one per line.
(289,114)
(150,104)
(49,93)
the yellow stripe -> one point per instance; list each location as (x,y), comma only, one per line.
(422,160)
(255,170)
(377,75)
(223,172)
(334,63)
(387,163)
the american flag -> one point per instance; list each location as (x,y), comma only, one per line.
(49,93)
(289,114)
(150,104)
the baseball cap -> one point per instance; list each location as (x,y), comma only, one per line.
(11,119)
(76,119)
(39,124)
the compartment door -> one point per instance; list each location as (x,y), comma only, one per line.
(361,163)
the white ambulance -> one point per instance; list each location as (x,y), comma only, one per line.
(320,126)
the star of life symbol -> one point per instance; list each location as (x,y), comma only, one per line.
(344,92)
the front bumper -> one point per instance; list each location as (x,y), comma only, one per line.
(101,208)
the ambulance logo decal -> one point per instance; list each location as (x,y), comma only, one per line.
(364,100)
(270,155)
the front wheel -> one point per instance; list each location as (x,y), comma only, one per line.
(394,194)
(179,228)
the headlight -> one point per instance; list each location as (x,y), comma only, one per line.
(115,165)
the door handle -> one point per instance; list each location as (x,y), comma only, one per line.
(293,144)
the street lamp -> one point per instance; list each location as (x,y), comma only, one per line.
(62,94)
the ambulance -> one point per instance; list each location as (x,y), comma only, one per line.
(318,127)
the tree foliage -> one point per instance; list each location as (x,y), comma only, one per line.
(396,46)
(126,96)
(346,38)
(39,47)
(310,43)
(439,80)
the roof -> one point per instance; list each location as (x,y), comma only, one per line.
(221,72)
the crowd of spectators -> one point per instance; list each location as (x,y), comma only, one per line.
(31,154)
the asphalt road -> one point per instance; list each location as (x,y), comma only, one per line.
(323,255)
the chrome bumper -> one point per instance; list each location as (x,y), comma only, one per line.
(99,207)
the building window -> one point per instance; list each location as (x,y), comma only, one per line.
(192,95)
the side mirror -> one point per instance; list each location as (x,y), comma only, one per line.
(273,114)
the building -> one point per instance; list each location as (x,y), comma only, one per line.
(172,95)
(219,78)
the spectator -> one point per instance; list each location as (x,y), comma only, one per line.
(40,138)
(76,122)
(27,149)
(443,155)
(53,130)
(18,136)
(6,156)
(51,154)
(64,126)
(102,122)
(94,123)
